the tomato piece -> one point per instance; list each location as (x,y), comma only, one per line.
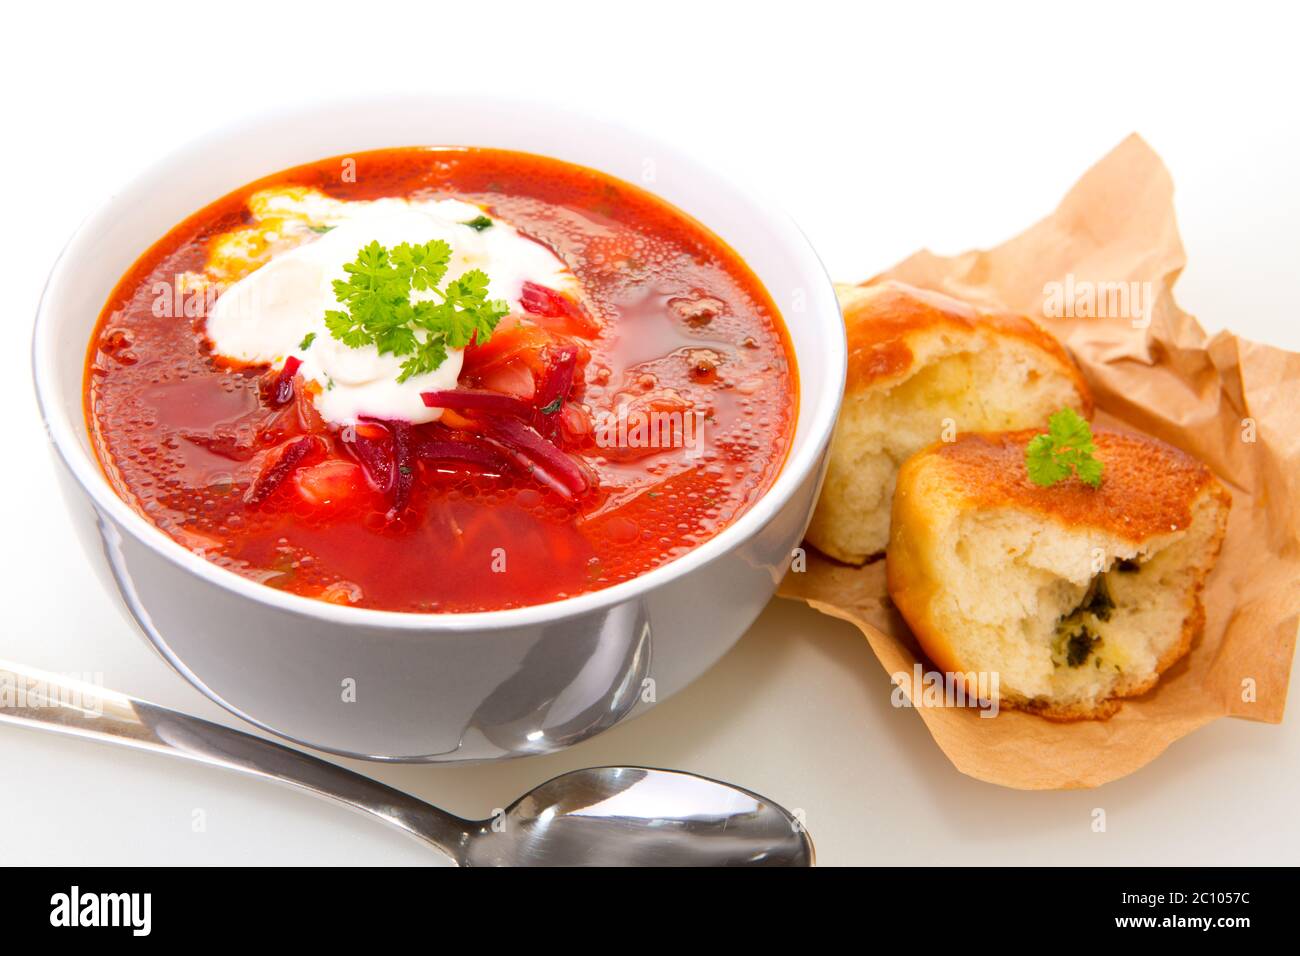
(329,482)
(513,337)
(513,378)
(575,425)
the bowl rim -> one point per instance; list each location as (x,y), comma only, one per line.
(799,463)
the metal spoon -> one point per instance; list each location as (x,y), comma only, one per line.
(603,816)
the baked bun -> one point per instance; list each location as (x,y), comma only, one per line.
(923,366)
(1074,596)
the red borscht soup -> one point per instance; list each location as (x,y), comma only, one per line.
(440,380)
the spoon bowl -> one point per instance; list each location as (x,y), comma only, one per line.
(633,816)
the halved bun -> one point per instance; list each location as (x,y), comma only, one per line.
(922,365)
(1075,597)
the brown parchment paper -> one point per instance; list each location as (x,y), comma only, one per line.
(1208,396)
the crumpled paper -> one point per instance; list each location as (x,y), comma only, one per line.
(1099,274)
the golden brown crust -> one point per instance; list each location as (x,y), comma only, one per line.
(880,319)
(1149,489)
(1148,486)
(1066,713)
(911,577)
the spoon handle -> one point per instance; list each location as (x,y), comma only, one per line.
(34,698)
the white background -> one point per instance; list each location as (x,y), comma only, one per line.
(881,131)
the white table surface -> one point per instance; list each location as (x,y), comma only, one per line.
(950,127)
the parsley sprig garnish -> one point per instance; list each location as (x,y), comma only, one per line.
(377,294)
(1066,449)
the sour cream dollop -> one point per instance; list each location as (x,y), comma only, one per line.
(270,313)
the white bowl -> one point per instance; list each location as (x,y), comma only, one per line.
(436,687)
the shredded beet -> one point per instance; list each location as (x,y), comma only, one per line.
(403,465)
(540,300)
(282,388)
(521,463)
(538,456)
(291,456)
(388,461)
(549,304)
(497,442)
(553,390)
(559,366)
(477,400)
(471,452)
(375,455)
